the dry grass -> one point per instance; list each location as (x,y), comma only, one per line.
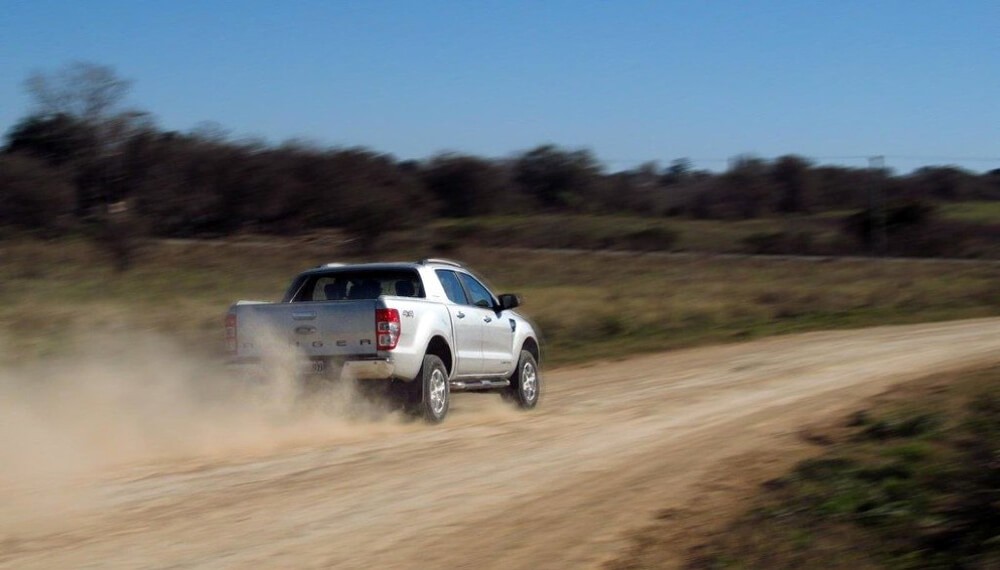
(587,305)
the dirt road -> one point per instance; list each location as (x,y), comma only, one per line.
(610,445)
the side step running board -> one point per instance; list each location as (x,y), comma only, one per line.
(478,384)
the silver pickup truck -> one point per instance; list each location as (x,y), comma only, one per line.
(428,328)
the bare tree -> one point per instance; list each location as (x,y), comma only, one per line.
(84,90)
(93,95)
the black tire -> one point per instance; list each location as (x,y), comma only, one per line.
(430,392)
(526,383)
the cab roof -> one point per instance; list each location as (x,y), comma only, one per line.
(386,266)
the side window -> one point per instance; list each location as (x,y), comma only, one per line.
(478,293)
(452,288)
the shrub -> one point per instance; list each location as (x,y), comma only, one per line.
(908,219)
(33,196)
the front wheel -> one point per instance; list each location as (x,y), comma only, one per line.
(525,383)
(430,393)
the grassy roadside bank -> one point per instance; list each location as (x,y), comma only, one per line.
(913,482)
(587,306)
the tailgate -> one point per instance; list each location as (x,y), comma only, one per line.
(322,329)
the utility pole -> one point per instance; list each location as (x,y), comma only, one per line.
(876,205)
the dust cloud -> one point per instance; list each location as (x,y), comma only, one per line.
(122,402)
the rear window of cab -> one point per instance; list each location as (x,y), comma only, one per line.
(355,285)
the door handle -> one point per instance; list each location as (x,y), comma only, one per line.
(460,315)
(487,319)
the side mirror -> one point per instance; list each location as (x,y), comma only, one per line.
(509,301)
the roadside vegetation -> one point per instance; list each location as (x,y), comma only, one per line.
(912,483)
(589,305)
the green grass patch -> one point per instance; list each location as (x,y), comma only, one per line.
(987,212)
(916,484)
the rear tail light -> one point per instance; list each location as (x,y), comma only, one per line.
(387,328)
(231,333)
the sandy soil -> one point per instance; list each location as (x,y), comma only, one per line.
(612,447)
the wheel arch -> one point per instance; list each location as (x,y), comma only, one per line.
(531,345)
(439,347)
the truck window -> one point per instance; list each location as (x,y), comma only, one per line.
(353,285)
(452,287)
(478,293)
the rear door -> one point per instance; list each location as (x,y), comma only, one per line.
(468,330)
(498,336)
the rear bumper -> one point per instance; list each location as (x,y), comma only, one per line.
(369,369)
(361,369)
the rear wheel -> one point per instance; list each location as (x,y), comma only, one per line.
(526,382)
(430,392)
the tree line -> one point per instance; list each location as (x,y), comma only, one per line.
(79,158)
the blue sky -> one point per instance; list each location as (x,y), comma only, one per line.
(918,81)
